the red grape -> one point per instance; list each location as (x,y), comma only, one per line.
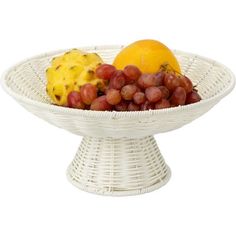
(193,97)
(165,92)
(159,78)
(186,83)
(147,80)
(117,80)
(163,103)
(74,100)
(100,104)
(153,94)
(171,81)
(113,96)
(139,98)
(128,91)
(122,106)
(133,107)
(146,106)
(132,73)
(105,71)
(178,96)
(105,91)
(88,93)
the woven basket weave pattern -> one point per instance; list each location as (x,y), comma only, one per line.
(118,155)
(118,166)
(28,81)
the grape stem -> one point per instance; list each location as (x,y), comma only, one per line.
(167,67)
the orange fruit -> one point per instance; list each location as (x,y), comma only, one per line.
(148,55)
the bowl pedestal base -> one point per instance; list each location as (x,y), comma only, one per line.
(123,166)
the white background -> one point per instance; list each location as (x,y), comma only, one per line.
(35,196)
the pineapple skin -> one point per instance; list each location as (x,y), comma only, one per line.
(69,72)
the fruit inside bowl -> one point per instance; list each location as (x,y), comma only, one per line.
(118,154)
(144,75)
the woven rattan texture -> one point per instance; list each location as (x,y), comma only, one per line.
(118,155)
(26,82)
(118,166)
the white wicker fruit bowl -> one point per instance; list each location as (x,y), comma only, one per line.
(118,154)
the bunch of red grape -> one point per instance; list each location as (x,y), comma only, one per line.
(130,90)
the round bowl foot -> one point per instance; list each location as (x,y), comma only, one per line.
(118,167)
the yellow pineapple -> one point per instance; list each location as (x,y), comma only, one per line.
(69,72)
